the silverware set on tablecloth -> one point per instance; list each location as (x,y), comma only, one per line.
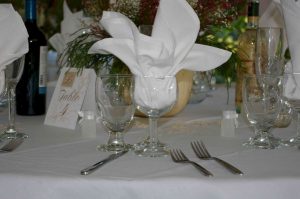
(177,156)
(202,153)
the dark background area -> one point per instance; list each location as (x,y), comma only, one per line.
(50,13)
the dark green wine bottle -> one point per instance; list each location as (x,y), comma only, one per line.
(31,89)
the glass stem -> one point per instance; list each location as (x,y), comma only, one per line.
(116,138)
(11,109)
(153,135)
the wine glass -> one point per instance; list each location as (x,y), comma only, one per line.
(268,51)
(12,73)
(262,105)
(114,101)
(269,61)
(154,96)
(291,92)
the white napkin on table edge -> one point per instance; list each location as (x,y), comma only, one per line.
(13,38)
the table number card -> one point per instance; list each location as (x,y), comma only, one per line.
(68,97)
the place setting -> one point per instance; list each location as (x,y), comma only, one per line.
(151,87)
(109,129)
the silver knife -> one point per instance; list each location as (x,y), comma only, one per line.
(92,168)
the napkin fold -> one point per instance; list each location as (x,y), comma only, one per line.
(291,13)
(71,23)
(170,48)
(13,38)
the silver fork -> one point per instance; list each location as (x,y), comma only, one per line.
(178,156)
(202,153)
(11,145)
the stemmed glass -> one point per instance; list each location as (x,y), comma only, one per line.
(268,51)
(114,95)
(154,96)
(262,105)
(270,61)
(291,92)
(13,73)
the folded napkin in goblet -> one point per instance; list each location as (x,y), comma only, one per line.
(170,48)
(13,38)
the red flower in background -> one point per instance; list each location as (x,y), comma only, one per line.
(147,11)
(219,12)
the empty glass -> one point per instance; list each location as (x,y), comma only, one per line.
(270,61)
(13,73)
(262,105)
(154,96)
(114,95)
(268,51)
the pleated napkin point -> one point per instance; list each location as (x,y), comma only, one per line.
(13,38)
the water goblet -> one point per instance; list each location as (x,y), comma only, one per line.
(114,95)
(291,92)
(12,73)
(154,96)
(262,105)
(269,61)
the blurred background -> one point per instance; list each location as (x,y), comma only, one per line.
(50,13)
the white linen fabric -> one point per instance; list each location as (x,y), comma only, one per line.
(71,23)
(170,48)
(13,38)
(291,12)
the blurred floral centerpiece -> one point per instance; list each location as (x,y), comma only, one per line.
(221,25)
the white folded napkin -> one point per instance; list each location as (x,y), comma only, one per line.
(13,38)
(71,23)
(170,48)
(291,12)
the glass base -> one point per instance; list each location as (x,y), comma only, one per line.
(295,141)
(8,134)
(264,141)
(146,142)
(115,147)
(152,149)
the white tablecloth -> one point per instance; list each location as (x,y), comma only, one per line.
(48,163)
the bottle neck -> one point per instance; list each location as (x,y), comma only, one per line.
(253,13)
(30,9)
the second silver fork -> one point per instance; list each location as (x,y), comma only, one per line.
(178,156)
(202,153)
